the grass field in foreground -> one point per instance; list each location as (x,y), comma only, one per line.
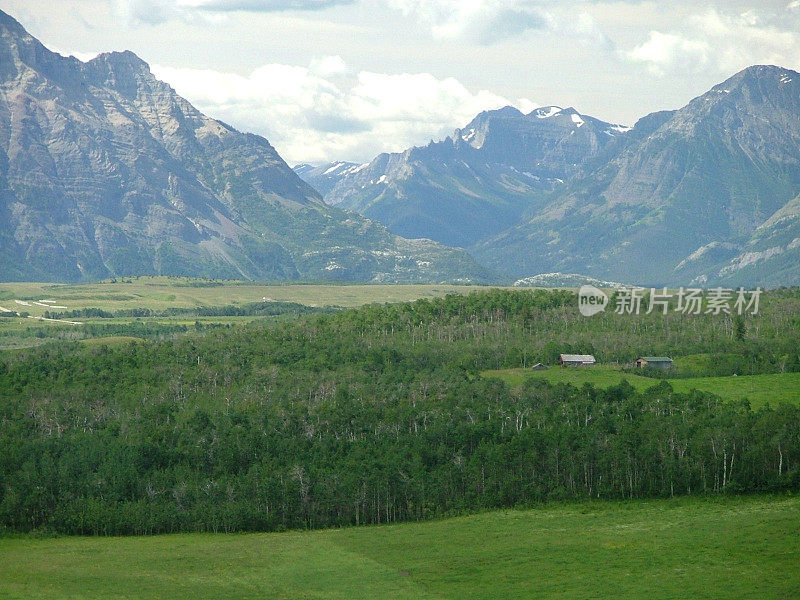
(759,389)
(738,548)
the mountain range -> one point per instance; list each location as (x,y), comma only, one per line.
(473,184)
(105,170)
(707,194)
(702,194)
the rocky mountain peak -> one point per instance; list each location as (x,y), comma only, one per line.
(696,182)
(20,52)
(121,61)
(748,90)
(767,73)
(123,71)
(506,111)
(10,27)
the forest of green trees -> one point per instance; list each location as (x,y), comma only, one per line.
(379,414)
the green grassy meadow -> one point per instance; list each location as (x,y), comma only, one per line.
(172,292)
(161,293)
(688,548)
(770,389)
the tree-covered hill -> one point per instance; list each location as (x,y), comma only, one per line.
(379,415)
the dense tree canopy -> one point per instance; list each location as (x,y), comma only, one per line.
(377,415)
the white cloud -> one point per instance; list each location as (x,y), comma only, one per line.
(487,22)
(664,50)
(722,42)
(320,113)
(149,12)
(329,66)
(481,22)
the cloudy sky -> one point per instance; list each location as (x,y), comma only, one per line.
(346,79)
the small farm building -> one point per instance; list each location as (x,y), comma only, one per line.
(655,362)
(576,360)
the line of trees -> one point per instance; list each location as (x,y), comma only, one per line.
(251,309)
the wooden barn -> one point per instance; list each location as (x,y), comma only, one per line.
(576,360)
(654,362)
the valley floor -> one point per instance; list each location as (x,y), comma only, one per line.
(33,300)
(176,292)
(684,548)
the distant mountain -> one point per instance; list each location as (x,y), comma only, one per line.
(324,178)
(699,194)
(473,184)
(104,170)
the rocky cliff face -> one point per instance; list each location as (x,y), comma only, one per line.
(104,170)
(474,183)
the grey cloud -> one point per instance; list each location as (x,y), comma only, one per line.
(269,5)
(150,12)
(509,23)
(330,123)
(154,12)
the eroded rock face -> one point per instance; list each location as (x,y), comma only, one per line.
(105,170)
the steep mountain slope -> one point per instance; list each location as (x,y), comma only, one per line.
(697,185)
(474,183)
(104,170)
(771,257)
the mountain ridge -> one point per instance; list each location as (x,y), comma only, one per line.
(473,183)
(712,172)
(105,170)
(684,196)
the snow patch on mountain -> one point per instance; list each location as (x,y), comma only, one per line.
(335,167)
(546,111)
(618,129)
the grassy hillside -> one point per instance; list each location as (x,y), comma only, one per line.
(726,548)
(771,389)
